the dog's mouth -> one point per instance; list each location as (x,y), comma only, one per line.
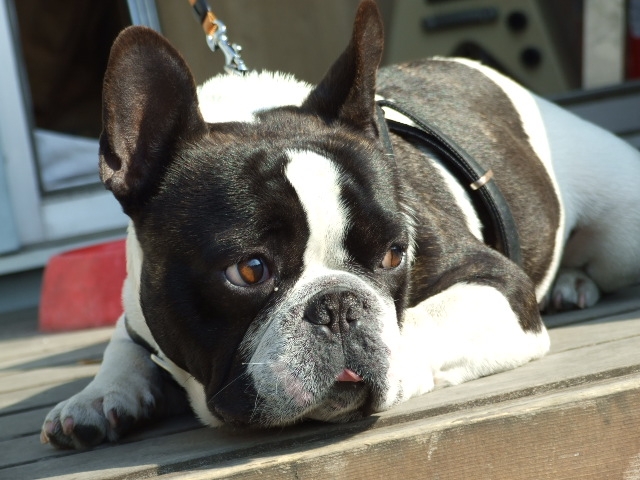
(348,376)
(290,398)
(341,401)
(346,400)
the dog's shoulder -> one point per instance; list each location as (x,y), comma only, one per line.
(494,120)
(448,85)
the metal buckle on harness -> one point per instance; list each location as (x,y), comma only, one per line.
(482,181)
(216,36)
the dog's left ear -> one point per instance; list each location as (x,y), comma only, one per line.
(149,106)
(347,92)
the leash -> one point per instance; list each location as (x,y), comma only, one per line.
(500,230)
(216,36)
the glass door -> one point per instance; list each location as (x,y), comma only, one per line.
(54,55)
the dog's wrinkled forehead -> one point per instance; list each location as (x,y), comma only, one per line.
(285,186)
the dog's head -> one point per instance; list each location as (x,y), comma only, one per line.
(275,251)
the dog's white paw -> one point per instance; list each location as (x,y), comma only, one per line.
(98,413)
(573,289)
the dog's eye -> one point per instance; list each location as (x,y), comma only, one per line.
(393,257)
(248,272)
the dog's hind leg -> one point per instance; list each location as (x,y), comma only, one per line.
(595,262)
(609,251)
(599,179)
(572,288)
(602,253)
(603,258)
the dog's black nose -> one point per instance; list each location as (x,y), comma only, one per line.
(337,309)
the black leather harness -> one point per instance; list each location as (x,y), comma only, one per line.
(137,338)
(500,230)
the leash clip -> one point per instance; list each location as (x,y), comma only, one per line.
(216,36)
(219,40)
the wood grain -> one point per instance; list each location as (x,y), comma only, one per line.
(572,414)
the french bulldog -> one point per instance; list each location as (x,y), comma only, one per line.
(284,264)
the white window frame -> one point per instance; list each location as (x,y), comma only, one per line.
(40,219)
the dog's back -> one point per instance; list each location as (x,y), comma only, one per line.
(569,183)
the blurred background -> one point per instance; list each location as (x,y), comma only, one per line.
(584,54)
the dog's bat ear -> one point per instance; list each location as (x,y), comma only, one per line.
(347,91)
(149,105)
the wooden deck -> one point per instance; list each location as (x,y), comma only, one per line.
(573,415)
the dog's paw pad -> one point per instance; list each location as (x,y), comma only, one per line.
(88,435)
(120,423)
(573,289)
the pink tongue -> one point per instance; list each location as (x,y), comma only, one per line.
(348,376)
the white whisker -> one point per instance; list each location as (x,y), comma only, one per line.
(232,381)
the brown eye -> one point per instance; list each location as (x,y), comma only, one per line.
(248,272)
(393,257)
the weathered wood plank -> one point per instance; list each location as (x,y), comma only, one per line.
(562,370)
(25,352)
(17,380)
(586,433)
(594,332)
(27,449)
(91,354)
(40,396)
(553,374)
(534,437)
(21,424)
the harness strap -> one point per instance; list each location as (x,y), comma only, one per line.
(500,230)
(383,131)
(136,338)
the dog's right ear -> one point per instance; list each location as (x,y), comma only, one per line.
(347,91)
(149,105)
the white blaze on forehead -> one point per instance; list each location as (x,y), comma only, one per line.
(316,181)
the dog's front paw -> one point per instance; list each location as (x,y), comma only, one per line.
(95,415)
(573,289)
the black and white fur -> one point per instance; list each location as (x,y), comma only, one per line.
(268,168)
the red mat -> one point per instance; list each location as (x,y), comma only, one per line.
(82,288)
